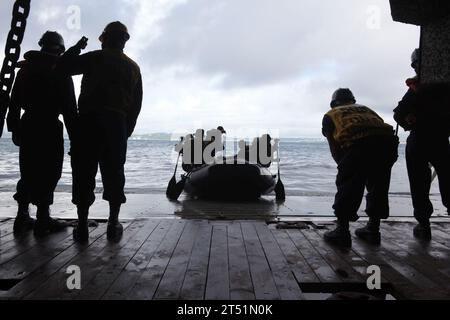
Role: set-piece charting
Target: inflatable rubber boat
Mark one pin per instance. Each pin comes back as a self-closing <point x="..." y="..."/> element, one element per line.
<point x="229" y="182"/>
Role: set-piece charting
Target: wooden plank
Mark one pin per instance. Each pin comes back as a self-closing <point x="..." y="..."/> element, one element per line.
<point x="401" y="276"/>
<point x="103" y="280"/>
<point x="349" y="257"/>
<point x="419" y="256"/>
<point x="11" y="237"/>
<point x="6" y="228"/>
<point x="172" y="281"/>
<point x="121" y="287"/>
<point x="320" y="266"/>
<point x="5" y="220"/>
<point x="407" y="264"/>
<point x="241" y="286"/>
<point x="45" y="250"/>
<point x="14" y="248"/>
<point x="7" y="238"/>
<point x="441" y="236"/>
<point x="433" y="250"/>
<point x="44" y="272"/>
<point x="12" y="245"/>
<point x="298" y="264"/>
<point x="287" y="285"/>
<point x="5" y="242"/>
<point x="440" y="233"/>
<point x="146" y="286"/>
<point x="339" y="265"/>
<point x="403" y="288"/>
<point x="263" y="282"/>
<point x="90" y="263"/>
<point x="172" y="262"/>
<point x="195" y="280"/>
<point x="426" y="288"/>
<point x="357" y="263"/>
<point x="218" y="282"/>
<point x="443" y="226"/>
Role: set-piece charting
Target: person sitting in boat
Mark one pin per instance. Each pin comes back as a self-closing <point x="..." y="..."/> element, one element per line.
<point x="265" y="151"/>
<point x="210" y="141"/>
<point x="224" y="139"/>
<point x="206" y="141"/>
<point x="213" y="144"/>
<point x="260" y="152"/>
<point x="188" y="153"/>
<point x="193" y="149"/>
<point x="243" y="154"/>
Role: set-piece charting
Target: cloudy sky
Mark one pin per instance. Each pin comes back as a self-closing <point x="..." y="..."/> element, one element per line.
<point x="249" y="65"/>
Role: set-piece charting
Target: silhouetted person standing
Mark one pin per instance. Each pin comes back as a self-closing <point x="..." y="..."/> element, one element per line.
<point x="365" y="149"/>
<point x="109" y="105"/>
<point x="425" y="112"/>
<point x="43" y="95"/>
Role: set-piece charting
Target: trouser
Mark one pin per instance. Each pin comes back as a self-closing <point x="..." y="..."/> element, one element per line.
<point x="41" y="159"/>
<point x="366" y="164"/>
<point x="101" y="141"/>
<point x="422" y="150"/>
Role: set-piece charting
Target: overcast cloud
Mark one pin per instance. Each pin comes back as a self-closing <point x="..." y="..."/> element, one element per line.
<point x="245" y="64"/>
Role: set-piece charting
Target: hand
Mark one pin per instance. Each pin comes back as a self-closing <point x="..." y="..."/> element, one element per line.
<point x="16" y="138"/>
<point x="82" y="44"/>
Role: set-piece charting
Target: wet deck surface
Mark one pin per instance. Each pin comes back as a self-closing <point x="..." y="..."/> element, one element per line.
<point x="156" y="205"/>
<point x="201" y="259"/>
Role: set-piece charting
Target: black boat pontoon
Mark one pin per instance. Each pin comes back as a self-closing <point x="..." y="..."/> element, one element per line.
<point x="243" y="181"/>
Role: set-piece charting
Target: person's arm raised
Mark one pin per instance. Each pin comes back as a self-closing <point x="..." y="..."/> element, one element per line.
<point x="72" y="62"/>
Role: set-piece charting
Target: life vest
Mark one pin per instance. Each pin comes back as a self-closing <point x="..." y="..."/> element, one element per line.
<point x="354" y="122"/>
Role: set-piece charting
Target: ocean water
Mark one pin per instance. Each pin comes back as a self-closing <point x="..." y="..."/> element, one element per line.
<point x="307" y="168"/>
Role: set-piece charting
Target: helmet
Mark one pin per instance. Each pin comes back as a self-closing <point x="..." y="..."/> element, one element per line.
<point x="221" y="129"/>
<point x="117" y="28"/>
<point x="341" y="96"/>
<point x="415" y="58"/>
<point x="52" y="40"/>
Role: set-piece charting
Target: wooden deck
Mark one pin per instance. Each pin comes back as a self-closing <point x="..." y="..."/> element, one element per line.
<point x="201" y="259"/>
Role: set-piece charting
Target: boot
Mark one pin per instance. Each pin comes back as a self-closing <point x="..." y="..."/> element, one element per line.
<point x="423" y="231"/>
<point x="45" y="225"/>
<point x="340" y="236"/>
<point x="23" y="222"/>
<point x="114" y="231"/>
<point x="371" y="232"/>
<point x="81" y="231"/>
